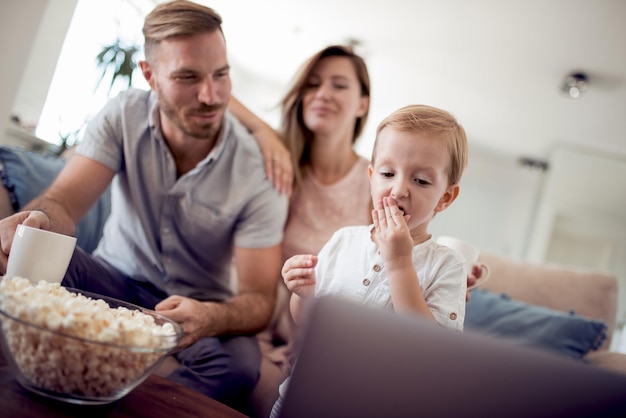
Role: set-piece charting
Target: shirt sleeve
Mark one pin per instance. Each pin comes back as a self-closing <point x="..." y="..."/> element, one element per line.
<point x="263" y="221"/>
<point x="445" y="296"/>
<point x="103" y="137"/>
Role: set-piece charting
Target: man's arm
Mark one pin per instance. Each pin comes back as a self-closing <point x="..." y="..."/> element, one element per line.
<point x="248" y="312"/>
<point x="77" y="187"/>
<point x="258" y="271"/>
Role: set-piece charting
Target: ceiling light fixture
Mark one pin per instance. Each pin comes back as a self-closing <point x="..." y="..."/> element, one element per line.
<point x="575" y="84"/>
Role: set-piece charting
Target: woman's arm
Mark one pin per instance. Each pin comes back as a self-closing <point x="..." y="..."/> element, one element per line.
<point x="278" y="165"/>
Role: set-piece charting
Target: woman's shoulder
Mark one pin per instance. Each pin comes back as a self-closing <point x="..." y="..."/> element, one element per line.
<point x="362" y="161"/>
<point x="361" y="166"/>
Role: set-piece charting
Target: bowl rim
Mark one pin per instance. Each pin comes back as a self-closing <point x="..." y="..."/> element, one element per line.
<point x="178" y="330"/>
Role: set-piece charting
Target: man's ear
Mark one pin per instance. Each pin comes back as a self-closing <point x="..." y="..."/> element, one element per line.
<point x="448" y="197"/>
<point x="147" y="72"/>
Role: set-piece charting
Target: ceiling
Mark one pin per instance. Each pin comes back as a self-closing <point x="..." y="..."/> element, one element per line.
<point x="496" y="64"/>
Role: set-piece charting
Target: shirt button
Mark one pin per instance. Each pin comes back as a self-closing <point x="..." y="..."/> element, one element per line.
<point x="453" y="316"/>
<point x="366" y="282"/>
<point x="376" y="268"/>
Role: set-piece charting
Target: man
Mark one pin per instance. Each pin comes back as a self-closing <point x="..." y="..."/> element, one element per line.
<point x="189" y="194"/>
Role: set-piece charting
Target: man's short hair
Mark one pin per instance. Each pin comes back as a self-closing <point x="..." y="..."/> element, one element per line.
<point x="177" y="18"/>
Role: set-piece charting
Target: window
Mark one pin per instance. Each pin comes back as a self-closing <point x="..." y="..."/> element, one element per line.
<point x="74" y="95"/>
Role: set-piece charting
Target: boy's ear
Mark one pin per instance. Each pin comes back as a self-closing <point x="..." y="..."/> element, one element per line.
<point x="370" y="171"/>
<point x="448" y="197"/>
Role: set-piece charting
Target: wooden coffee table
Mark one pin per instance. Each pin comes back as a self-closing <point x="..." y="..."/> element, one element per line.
<point x="156" y="397"/>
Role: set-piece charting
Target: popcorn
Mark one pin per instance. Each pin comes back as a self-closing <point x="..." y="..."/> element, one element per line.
<point x="104" y="351"/>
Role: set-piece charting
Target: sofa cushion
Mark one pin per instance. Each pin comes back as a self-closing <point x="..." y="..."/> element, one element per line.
<point x="536" y="326"/>
<point x="26" y="174"/>
<point x="591" y="293"/>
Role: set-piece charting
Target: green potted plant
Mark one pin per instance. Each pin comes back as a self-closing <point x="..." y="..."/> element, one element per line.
<point x="118" y="61"/>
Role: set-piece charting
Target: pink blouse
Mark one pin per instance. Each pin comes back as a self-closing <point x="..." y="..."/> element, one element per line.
<point x="316" y="210"/>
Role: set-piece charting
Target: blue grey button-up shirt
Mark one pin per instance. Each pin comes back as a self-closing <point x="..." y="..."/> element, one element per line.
<point x="179" y="233"/>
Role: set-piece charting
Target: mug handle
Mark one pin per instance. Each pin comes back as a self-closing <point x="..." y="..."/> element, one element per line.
<point x="483" y="277"/>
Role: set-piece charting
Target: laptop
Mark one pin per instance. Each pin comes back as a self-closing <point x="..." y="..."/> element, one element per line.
<point x="362" y="362"/>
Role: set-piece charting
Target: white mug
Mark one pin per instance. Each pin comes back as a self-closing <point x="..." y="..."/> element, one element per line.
<point x="37" y="254"/>
<point x="470" y="253"/>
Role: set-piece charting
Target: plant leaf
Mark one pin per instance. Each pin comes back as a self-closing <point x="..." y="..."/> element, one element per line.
<point x="117" y="60"/>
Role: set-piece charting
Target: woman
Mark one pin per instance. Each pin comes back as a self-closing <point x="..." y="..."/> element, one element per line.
<point x="323" y="114"/>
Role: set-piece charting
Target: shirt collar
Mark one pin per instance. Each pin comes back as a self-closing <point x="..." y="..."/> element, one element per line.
<point x="220" y="144"/>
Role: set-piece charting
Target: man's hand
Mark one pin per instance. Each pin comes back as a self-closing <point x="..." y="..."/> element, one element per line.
<point x="194" y="316"/>
<point x="392" y="234"/>
<point x="299" y="275"/>
<point x="245" y="313"/>
<point x="34" y="218"/>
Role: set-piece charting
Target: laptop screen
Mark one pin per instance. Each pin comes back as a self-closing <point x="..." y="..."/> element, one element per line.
<point x="356" y="361"/>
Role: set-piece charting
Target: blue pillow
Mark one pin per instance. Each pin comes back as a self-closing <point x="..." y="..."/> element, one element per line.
<point x="26" y="174"/>
<point x="535" y="326"/>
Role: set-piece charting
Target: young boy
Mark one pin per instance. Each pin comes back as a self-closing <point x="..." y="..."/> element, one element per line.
<point x="419" y="156"/>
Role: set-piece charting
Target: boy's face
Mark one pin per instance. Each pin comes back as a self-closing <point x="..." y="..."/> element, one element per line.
<point x="412" y="169"/>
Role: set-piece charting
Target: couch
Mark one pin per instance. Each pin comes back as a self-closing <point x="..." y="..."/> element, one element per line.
<point x="559" y="290"/>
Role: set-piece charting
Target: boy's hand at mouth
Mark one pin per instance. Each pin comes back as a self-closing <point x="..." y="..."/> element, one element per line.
<point x="391" y="234"/>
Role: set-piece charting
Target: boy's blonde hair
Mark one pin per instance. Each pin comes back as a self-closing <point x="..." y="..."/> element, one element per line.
<point x="437" y="124"/>
<point x="177" y="18"/>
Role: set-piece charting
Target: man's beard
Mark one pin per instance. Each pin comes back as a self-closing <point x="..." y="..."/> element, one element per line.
<point x="178" y="118"/>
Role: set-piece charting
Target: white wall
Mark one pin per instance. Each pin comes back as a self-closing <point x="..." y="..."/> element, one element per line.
<point x="42" y="61"/>
<point x="19" y="23"/>
<point x="32" y="34"/>
<point x="581" y="219"/>
<point x="495" y="206"/>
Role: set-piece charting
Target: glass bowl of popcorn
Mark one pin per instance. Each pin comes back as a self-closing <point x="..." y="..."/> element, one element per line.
<point x="77" y="346"/>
